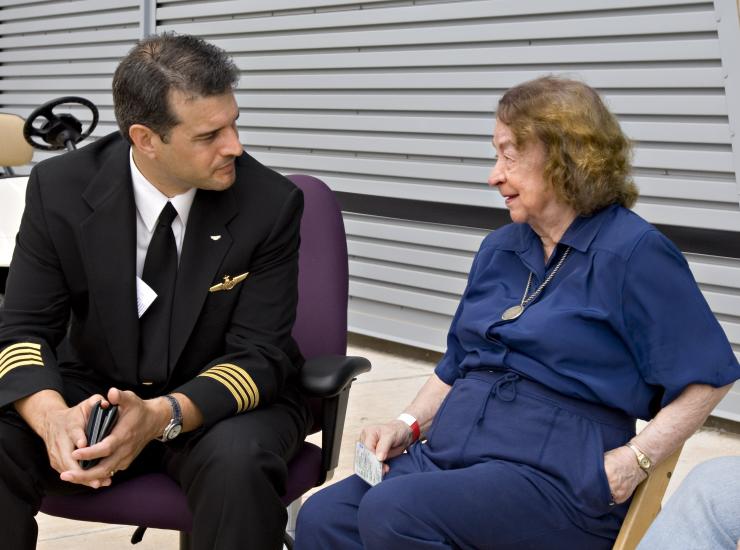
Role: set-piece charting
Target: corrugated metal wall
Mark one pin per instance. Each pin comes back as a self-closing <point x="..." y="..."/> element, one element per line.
<point x="391" y="103"/>
<point x="52" y="49"/>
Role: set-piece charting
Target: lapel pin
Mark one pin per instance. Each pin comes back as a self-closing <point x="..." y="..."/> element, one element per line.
<point x="228" y="283"/>
<point x="215" y="237"/>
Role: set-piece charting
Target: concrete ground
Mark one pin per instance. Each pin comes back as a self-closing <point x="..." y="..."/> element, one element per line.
<point x="398" y="372"/>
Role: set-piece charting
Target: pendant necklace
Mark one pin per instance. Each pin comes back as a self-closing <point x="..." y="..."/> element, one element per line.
<point x="515" y="311"/>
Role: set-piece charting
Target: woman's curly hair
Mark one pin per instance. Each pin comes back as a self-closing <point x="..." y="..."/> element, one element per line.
<point x="587" y="155"/>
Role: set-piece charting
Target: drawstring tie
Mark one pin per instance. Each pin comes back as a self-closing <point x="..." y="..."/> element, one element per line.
<point x="504" y="388"/>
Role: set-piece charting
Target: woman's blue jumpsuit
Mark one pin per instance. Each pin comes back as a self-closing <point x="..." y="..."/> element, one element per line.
<point x="514" y="456"/>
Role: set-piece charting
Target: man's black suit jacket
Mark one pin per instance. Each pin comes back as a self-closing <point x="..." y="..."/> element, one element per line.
<point x="70" y="306"/>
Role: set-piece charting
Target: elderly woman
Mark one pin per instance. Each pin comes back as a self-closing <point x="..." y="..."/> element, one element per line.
<point x="578" y="318"/>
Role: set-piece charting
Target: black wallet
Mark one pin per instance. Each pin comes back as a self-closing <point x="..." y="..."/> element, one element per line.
<point x="99" y="425"/>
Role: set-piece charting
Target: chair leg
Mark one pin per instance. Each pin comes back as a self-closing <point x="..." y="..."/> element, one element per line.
<point x="293" y="509"/>
<point x="185" y="542"/>
<point x="138" y="535"/>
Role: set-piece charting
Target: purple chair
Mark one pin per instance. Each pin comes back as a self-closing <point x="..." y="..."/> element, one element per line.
<point x="155" y="500"/>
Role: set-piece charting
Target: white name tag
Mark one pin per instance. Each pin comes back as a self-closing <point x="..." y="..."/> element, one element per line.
<point x="145" y="296"/>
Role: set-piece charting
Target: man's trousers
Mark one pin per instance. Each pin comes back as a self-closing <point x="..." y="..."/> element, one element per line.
<point x="232" y="473"/>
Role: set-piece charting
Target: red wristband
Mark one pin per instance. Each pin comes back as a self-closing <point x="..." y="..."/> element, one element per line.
<point x="412" y="423"/>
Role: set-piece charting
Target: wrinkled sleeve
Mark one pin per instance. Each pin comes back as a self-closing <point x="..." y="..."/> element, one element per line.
<point x="673" y="334"/>
<point x="33" y="319"/>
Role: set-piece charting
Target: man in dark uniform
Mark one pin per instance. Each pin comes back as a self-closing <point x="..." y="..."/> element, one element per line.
<point x="156" y="270"/>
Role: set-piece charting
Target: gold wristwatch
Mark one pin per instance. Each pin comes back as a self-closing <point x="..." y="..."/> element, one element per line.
<point x="643" y="460"/>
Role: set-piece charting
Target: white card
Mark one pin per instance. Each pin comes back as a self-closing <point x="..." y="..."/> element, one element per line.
<point x="145" y="296"/>
<point x="367" y="465"/>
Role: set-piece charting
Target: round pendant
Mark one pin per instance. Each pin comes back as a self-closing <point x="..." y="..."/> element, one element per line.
<point x="512" y="313"/>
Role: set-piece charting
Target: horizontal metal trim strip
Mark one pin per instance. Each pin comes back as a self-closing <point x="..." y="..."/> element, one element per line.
<point x="390" y="14"/>
<point x="8" y="3"/>
<point x="409" y="276"/>
<point x="603" y="77"/>
<point x="63" y="8"/>
<point x="662" y="77"/>
<point x="720" y="273"/>
<point x="663" y="131"/>
<point x="96" y="20"/>
<point x="454" y="33"/>
<point x="200" y="9"/>
<point x="387" y="326"/>
<point x="453" y="178"/>
<point x="71" y="36"/>
<point x="391" y="294"/>
<point x="614" y="52"/>
<point x="689" y="239"/>
<point x="456" y="239"/>
<point x="401" y="254"/>
<point x="650" y="102"/>
<point x="709" y="158"/>
<point x="19" y="58"/>
<point x="647" y="102"/>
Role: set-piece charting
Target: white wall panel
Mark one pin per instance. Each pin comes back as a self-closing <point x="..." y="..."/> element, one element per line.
<point x="395" y="102"/>
<point x="392" y="100"/>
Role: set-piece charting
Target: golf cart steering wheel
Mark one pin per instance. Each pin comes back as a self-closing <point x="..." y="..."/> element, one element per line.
<point x="59" y="131"/>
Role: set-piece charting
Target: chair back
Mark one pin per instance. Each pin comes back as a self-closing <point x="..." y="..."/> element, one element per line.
<point x="323" y="279"/>
<point x="321" y="318"/>
<point x="14" y="150"/>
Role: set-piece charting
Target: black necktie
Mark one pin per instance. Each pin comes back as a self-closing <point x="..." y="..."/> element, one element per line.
<point x="160" y="273"/>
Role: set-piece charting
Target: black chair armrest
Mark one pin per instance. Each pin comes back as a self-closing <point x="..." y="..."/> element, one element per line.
<point x="329" y="375"/>
<point x="330" y="378"/>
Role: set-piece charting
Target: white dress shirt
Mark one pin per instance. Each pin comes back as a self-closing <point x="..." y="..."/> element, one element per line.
<point x="149" y="204"/>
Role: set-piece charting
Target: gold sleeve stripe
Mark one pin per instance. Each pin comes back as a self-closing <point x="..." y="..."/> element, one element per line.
<point x="237" y="377"/>
<point x="238" y="382"/>
<point x="15" y="357"/>
<point x="238" y="386"/>
<point x="26" y="346"/>
<point x="247" y="381"/>
<point x="19" y="353"/>
<point x="243" y="401"/>
<point x="19" y="357"/>
<point x="9" y="368"/>
<point x="240" y="406"/>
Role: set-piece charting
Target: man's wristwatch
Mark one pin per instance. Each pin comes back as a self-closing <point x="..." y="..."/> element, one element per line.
<point x="643" y="460"/>
<point x="173" y="429"/>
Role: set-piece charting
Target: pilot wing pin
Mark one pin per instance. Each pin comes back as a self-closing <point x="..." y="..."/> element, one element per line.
<point x="228" y="283"/>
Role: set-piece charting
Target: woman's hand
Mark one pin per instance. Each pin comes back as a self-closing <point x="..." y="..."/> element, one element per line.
<point x="391" y="439"/>
<point x="623" y="473"/>
<point x="665" y="433"/>
<point x="387" y="440"/>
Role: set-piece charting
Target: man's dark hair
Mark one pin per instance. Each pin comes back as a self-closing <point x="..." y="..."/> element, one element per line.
<point x="160" y="63"/>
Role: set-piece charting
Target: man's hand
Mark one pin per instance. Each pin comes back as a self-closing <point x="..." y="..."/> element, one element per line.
<point x="387" y="440"/>
<point x="62" y="428"/>
<point x="63" y="431"/>
<point x="623" y="473"/>
<point x="139" y="422"/>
